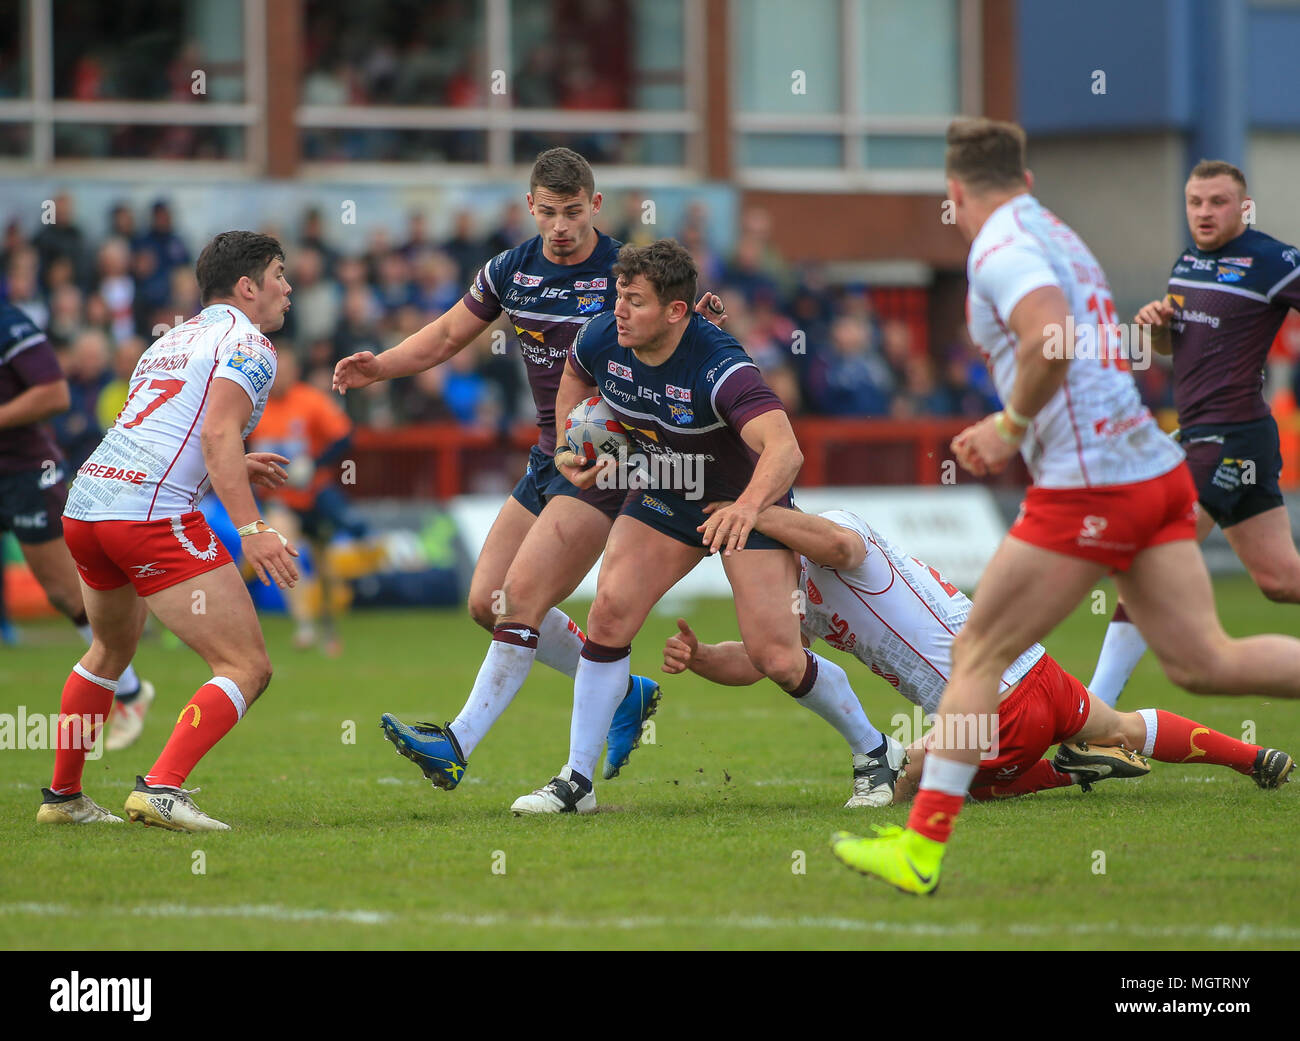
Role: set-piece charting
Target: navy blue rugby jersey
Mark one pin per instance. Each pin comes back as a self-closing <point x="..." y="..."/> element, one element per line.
<point x="694" y="404"/>
<point x="547" y="303"/>
<point x="1228" y="306"/>
<point x="26" y="360"/>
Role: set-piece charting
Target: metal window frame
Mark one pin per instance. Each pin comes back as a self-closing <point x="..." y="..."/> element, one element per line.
<point x="42" y="112"/>
<point x="853" y="126"/>
<point x="500" y="120"/>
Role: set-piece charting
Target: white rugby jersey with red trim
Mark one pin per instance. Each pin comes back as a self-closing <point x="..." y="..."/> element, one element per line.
<point x="1094" y="431"/>
<point x="895" y="614"/>
<point x="150" y="464"/>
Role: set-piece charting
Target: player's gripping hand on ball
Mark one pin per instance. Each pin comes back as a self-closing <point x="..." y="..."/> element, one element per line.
<point x="580" y="472"/>
<point x="710" y="305"/>
<point x="680" y="649"/>
<point x="728" y="526"/>
<point x="266" y="469"/>
<point x="356" y="371"/>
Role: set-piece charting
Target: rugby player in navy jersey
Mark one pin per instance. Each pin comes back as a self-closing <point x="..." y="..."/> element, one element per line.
<point x="33" y="491"/>
<point x="691" y="400"/>
<point x="1228" y="295"/>
<point x="549" y="533"/>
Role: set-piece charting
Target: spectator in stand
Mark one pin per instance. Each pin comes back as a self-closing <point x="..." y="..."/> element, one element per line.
<point x="67" y="307"/>
<point x="438" y="284"/>
<point x="968" y="386"/>
<point x="86" y="368"/>
<point x="168" y="249"/>
<point x="13" y="244"/>
<point x="694" y="235"/>
<point x="746" y="272"/>
<point x="465" y="248"/>
<point x="393" y="286"/>
<point x="313" y="237"/>
<point x="535" y="80"/>
<point x="63" y="239"/>
<point x="852" y="380"/>
<point x="897" y="349"/>
<point x="316" y="300"/>
<point x="359" y="328"/>
<point x="756" y="227"/>
<point x="921" y="395"/>
<point x="121" y="222"/>
<point x="116" y="288"/>
<point x="510" y="230"/>
<point x="22" y="286"/>
<point x="417" y="236"/>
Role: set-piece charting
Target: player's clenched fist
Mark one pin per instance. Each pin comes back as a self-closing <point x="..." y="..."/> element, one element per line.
<point x="1158" y="312"/>
<point x="356" y="371"/>
<point x="680" y="649"/>
<point x="577" y="471"/>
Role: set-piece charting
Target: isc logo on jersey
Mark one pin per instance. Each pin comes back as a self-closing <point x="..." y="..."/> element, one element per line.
<point x="254" y="367"/>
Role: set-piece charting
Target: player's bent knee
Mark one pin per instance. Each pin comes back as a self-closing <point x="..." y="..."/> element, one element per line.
<point x="1280" y="588"/>
<point x="784" y="668"/>
<point x="480" y="610"/>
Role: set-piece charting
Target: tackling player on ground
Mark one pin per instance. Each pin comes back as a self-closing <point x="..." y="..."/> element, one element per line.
<point x="137" y="536"/>
<point x="1110" y="493"/>
<point x="33" y="490"/>
<point x="549" y="533"/>
<point x="1228" y="295"/>
<point x="681" y="388"/>
<point x="866" y="597"/>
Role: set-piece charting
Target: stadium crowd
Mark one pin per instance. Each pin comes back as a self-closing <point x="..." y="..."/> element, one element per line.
<point x="105" y="294"/>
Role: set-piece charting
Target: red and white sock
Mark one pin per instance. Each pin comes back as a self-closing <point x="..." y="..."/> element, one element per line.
<point x="83" y="708"/>
<point x="944" y="784"/>
<point x="1040" y="777"/>
<point x="208" y="717"/>
<point x="1174" y="739"/>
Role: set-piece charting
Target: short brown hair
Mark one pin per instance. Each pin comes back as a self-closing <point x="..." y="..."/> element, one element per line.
<point x="1217" y="168"/>
<point x="985" y="154"/>
<point x="229" y="257"/>
<point x="564" y="172"/>
<point x="665" y="264"/>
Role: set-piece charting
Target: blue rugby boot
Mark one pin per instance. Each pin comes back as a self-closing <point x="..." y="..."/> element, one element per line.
<point x="432" y="748"/>
<point x="624" y="738"/>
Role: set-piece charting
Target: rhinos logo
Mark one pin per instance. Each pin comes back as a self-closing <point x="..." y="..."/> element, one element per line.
<point x="590" y="304"/>
<point x="654" y="504"/>
<point x="680" y="413"/>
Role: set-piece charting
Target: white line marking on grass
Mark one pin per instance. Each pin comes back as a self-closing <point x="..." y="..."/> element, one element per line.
<point x="1220" y="931"/>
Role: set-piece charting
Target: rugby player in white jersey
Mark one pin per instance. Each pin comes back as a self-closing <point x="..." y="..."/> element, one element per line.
<point x="137" y="537"/>
<point x="1111" y="493"/>
<point x="865" y="596"/>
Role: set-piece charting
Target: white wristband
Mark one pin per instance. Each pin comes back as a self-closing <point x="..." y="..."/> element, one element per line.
<point x="253" y="529"/>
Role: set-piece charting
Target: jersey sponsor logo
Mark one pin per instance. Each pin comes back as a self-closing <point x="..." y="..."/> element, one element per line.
<point x="680" y="413"/>
<point x="254" y="368"/>
<point x="595" y="283"/>
<point x="841" y="638"/>
<point x="612" y="389"/>
<point x="678" y="393"/>
<point x="590" y="304"/>
<point x="888" y="677"/>
<point x="113" y="473"/>
<point x="649" y="395"/>
<point x="1238" y="261"/>
<point x="1291" y="256"/>
<point x="476" y="290"/>
<point x="1229" y="274"/>
<point x="651" y="503"/>
<point x="1093" y="526"/>
<point x="35" y="521"/>
<point x="148" y="570"/>
<point x="1005" y="773"/>
<point x="554" y="293"/>
<point x="621" y="371"/>
<point x="520" y="279"/>
<point x="814" y="594"/>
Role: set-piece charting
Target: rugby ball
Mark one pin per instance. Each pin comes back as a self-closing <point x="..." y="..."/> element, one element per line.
<point x="591" y="430"/>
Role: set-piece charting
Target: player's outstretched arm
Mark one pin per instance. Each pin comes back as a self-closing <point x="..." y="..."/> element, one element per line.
<point x="574" y="388"/>
<point x="447" y="335"/>
<point x="779" y="460"/>
<point x="35" y="404"/>
<point x="724" y="663"/>
<point x="820" y="540"/>
<point x="223" y="454"/>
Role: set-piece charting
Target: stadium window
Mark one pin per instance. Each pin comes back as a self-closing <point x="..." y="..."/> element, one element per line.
<point x="144" y="79"/>
<point x="851" y="94"/>
<point x="482" y="87"/>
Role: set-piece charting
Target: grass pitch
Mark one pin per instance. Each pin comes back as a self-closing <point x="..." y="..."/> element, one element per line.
<point x="714" y="837"/>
